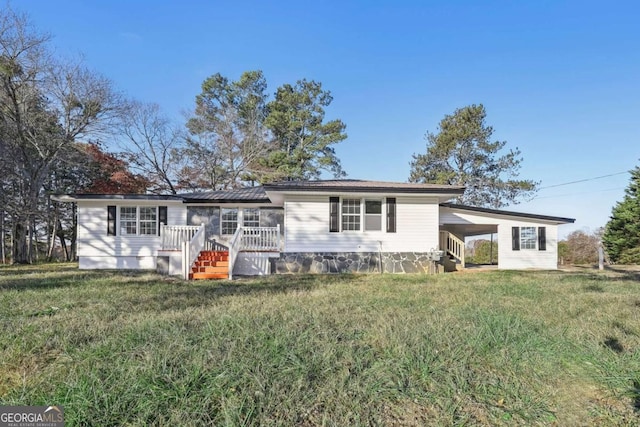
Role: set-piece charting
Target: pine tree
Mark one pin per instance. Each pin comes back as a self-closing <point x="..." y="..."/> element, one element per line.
<point x="305" y="139"/>
<point x="622" y="233"/>
<point x="462" y="153"/>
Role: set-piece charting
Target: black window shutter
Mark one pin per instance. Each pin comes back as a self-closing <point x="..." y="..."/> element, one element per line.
<point x="391" y="214"/>
<point x="515" y="238"/>
<point x="542" y="238"/>
<point x="111" y="220"/>
<point x="334" y="224"/>
<point x="162" y="217"/>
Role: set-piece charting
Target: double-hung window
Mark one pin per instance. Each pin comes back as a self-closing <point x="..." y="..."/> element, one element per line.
<point x="350" y="214"/>
<point x="138" y="220"/>
<point x="229" y="220"/>
<point x="529" y="238"/>
<point x="373" y="215"/>
<point x="251" y="217"/>
<point x="148" y="220"/>
<point x="128" y="221"/>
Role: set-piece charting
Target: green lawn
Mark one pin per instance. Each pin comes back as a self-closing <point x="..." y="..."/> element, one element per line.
<point x="493" y="348"/>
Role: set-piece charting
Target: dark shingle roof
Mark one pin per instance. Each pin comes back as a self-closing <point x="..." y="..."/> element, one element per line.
<point x="357" y="185"/>
<point x="246" y="195"/>
<point x="509" y="213"/>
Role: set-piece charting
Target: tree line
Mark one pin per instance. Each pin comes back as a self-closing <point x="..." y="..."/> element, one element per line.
<point x="57" y="116"/>
<point x="619" y="238"/>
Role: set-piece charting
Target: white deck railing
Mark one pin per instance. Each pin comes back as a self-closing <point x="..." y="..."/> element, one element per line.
<point x="260" y="238"/>
<point x="252" y="239"/>
<point x="172" y="236"/>
<point x="190" y="239"/>
<point x="191" y="249"/>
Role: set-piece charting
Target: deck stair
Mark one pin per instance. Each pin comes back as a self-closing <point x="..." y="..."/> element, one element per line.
<point x="453" y="247"/>
<point x="211" y="265"/>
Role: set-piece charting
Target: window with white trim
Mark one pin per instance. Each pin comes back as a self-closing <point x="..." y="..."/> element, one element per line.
<point x="138" y="220"/>
<point x="373" y="215"/>
<point x="128" y="220"/>
<point x="251" y="217"/>
<point x="228" y="220"/>
<point x="528" y="238"/>
<point x="350" y="214"/>
<point x="148" y="220"/>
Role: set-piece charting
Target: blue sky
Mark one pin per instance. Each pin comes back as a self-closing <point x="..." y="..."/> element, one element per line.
<point x="559" y="79"/>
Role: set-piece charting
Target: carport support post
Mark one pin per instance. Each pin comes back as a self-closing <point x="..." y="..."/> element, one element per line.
<point x="491" y="250"/>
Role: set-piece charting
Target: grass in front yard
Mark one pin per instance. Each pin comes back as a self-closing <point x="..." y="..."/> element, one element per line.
<point x="511" y="348"/>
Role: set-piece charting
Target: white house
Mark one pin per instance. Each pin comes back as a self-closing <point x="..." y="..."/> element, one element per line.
<point x="302" y="226"/>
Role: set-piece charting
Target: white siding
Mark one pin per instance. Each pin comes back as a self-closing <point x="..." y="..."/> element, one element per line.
<point x="98" y="250"/>
<point x="527" y="258"/>
<point x="117" y="262"/>
<point x="176" y="214"/>
<point x="307" y="226"/>
<point x="507" y="257"/>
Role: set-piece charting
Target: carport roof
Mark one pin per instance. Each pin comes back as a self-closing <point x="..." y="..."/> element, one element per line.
<point x="557" y="219"/>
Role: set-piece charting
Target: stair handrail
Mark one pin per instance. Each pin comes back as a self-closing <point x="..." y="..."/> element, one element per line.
<point x="191" y="250"/>
<point x="443" y="240"/>
<point x="235" y="245"/>
<point x="454" y="246"/>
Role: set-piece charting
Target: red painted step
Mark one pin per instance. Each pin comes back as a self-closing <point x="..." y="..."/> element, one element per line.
<point x="211" y="265"/>
<point x="200" y="276"/>
<point x="213" y="258"/>
<point x="220" y="270"/>
<point x="214" y="253"/>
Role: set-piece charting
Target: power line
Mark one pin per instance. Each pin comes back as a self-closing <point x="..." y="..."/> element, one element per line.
<point x="577" y="194"/>
<point x="583" y="180"/>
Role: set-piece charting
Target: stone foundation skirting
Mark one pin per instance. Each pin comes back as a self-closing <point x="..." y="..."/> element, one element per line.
<point x="353" y="262"/>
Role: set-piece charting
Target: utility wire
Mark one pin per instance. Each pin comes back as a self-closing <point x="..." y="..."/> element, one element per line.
<point x="583" y="180"/>
<point x="577" y="194"/>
